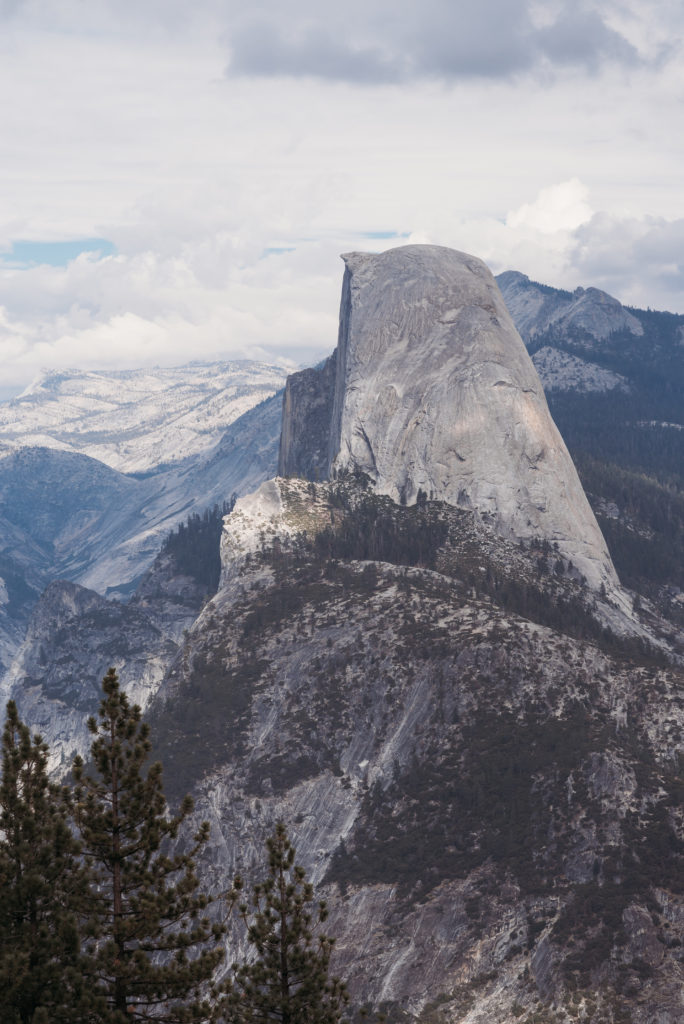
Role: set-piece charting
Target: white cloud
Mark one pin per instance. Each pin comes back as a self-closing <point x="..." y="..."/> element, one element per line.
<point x="639" y="259"/>
<point x="214" y="299"/>
<point x="557" y="208"/>
<point x="124" y="126"/>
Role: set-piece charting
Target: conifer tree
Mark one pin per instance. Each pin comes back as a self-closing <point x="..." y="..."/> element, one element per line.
<point x="41" y="884"/>
<point x="288" y="982"/>
<point x="152" y="947"/>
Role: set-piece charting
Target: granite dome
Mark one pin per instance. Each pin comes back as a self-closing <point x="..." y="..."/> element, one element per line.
<point x="431" y="389"/>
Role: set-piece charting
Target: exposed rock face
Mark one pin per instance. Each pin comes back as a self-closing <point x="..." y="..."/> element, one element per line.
<point x="73" y="637"/>
<point x="467" y="787"/>
<point x="435" y="392"/>
<point x="307" y="411"/>
<point x="561" y="371"/>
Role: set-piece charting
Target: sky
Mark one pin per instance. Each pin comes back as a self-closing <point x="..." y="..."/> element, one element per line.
<point x="179" y="179"/>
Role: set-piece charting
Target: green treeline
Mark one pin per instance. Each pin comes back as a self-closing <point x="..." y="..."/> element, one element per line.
<point x="103" y="919"/>
<point x="195" y="545"/>
<point x="645" y="532"/>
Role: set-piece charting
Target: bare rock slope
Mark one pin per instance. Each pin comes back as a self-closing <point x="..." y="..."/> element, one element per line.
<point x="478" y="777"/>
<point x="434" y="392"/>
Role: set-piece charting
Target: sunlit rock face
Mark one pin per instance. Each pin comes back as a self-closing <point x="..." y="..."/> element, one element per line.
<point x="434" y="391"/>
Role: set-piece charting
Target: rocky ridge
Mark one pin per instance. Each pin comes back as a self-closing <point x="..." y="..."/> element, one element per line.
<point x="589" y="314"/>
<point x="74" y="636"/>
<point x="464" y="770"/>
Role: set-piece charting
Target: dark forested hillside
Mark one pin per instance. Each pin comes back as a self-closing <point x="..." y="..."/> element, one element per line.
<point x="627" y="442"/>
<point x="485" y="778"/>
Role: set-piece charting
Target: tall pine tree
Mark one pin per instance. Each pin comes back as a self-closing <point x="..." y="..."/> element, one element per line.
<point x="288" y="982"/>
<point x="152" y="946"/>
<point x="41" y="886"/>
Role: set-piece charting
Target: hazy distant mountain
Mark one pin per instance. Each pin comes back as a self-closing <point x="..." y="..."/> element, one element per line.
<point x="136" y="421"/>
<point x="65" y="515"/>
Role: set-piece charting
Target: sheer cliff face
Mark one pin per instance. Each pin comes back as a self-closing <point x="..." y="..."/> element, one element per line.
<point x="434" y="391"/>
<point x="307" y="408"/>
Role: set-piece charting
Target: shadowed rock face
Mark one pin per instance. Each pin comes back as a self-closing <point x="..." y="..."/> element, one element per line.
<point x="307" y="409"/>
<point x="434" y="391"/>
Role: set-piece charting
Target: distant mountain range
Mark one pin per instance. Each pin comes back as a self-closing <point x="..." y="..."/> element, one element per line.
<point x="200" y="433"/>
<point x="136" y="421"/>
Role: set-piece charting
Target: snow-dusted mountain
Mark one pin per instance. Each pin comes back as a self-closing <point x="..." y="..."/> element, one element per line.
<point x="588" y="314"/>
<point x="136" y="420"/>
<point x="67" y="515"/>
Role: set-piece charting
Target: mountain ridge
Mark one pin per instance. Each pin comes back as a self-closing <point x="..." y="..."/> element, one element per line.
<point x="137" y="421"/>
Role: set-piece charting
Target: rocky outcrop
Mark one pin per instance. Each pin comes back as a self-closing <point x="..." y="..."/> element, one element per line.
<point x="307" y="412"/>
<point x="436" y="394"/>
<point x="561" y="371"/>
<point x="73" y="637"/>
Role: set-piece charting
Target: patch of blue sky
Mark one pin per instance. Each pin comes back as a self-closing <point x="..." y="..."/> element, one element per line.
<point x="24" y="254"/>
<point x="277" y="250"/>
<point x="385" y="234"/>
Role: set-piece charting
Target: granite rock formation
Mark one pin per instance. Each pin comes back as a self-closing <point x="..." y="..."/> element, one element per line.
<point x="434" y="393"/>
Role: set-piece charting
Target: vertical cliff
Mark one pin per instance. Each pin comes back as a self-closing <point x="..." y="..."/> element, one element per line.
<point x="307" y="412"/>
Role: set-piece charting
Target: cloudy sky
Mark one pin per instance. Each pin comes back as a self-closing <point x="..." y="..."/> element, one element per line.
<point x="179" y="179"/>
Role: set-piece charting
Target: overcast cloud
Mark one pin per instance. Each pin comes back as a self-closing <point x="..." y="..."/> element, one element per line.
<point x="225" y="156"/>
<point x="399" y="40"/>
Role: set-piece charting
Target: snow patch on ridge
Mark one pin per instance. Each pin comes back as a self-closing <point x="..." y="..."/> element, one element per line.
<point x="560" y="371"/>
<point x="137" y="420"/>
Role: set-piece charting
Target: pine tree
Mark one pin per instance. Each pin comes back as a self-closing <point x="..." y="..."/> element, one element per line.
<point x="41" y="885"/>
<point x="288" y="982"/>
<point x="152" y="948"/>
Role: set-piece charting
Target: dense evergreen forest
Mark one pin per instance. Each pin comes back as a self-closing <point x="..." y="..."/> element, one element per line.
<point x="103" y="920"/>
<point x="195" y="545"/>
<point x="628" y="446"/>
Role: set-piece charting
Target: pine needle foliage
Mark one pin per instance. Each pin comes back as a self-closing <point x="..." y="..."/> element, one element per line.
<point x="288" y="982"/>
<point x="151" y="947"/>
<point x="41" y="882"/>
